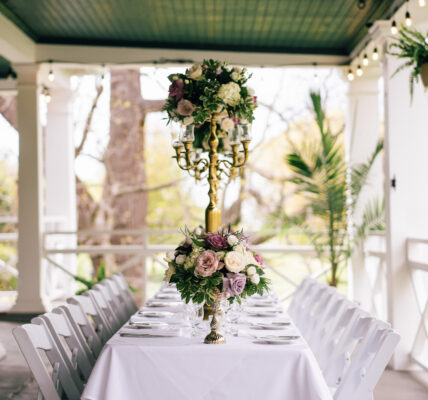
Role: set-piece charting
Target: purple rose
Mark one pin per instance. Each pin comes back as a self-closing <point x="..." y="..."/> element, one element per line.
<point x="207" y="263"/>
<point x="176" y="89"/>
<point x="219" y="70"/>
<point x="217" y="241"/>
<point x="234" y="284"/>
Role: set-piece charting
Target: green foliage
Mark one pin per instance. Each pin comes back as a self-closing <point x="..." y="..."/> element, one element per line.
<point x="410" y="45"/>
<point x="320" y="173"/>
<point x="201" y="85"/>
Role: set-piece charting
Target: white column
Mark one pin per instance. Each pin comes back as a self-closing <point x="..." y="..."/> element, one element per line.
<point x="406" y="162"/>
<point x="30" y="182"/>
<point x="60" y="187"/>
<point x="363" y="133"/>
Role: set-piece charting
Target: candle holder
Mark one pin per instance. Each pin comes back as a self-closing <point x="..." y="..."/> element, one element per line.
<point x="213" y="168"/>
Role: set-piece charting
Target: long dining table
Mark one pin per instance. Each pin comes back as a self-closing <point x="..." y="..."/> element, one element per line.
<point x="167" y="362"/>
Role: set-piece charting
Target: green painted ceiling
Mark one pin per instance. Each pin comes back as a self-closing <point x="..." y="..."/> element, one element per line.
<point x="292" y="26"/>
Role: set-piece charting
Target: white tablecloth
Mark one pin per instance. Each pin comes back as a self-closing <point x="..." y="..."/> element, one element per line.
<point x="183" y="368"/>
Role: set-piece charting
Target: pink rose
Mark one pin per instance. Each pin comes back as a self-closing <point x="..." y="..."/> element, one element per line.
<point x="185" y="107"/>
<point x="176" y="89"/>
<point x="207" y="263"/>
<point x="259" y="259"/>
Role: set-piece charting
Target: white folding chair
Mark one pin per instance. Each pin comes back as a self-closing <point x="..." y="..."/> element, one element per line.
<point x="302" y="319"/>
<point x="299" y="295"/>
<point x="327" y="318"/>
<point x="82" y="326"/>
<point x="104" y="308"/>
<point x="354" y="336"/>
<point x="331" y="340"/>
<point x="118" y="312"/>
<point x="102" y="327"/>
<point x="115" y="292"/>
<point x="368" y="364"/>
<point x="34" y="338"/>
<point x="68" y="343"/>
<point x="124" y="289"/>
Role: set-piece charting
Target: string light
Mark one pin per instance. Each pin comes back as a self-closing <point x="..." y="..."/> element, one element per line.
<point x="365" y="60"/>
<point x="51" y="75"/>
<point x="394" y="29"/>
<point x="350" y="75"/>
<point x="408" y="19"/>
<point x="359" y="71"/>
<point x="375" y="55"/>
<point x="46" y="94"/>
<point x="10" y="75"/>
<point x="422" y="3"/>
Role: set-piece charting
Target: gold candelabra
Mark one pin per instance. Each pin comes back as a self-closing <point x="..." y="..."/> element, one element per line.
<point x="213" y="168"/>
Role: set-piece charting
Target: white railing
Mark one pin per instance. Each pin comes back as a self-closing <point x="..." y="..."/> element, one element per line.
<point x="375" y="270"/>
<point x="417" y="261"/>
<point x="146" y="254"/>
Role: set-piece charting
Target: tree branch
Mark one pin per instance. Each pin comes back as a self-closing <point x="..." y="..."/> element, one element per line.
<point x="144" y="189"/>
<point x="79" y="148"/>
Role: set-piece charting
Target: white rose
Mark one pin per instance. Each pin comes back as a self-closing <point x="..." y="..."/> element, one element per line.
<point x="170" y="256"/>
<point x="235" y="76"/>
<point x="234" y="261"/>
<point x="175" y="77"/>
<point x="251" y="271"/>
<point x="180" y="259"/>
<point x="195" y="72"/>
<point x="188" y="120"/>
<point x="249" y="258"/>
<point x="250" y="91"/>
<point x="169" y="272"/>
<point x="230" y="93"/>
<point x="227" y="124"/>
<point x="232" y="240"/>
<point x="255" y="279"/>
<point x="186" y="81"/>
<point x="198" y="231"/>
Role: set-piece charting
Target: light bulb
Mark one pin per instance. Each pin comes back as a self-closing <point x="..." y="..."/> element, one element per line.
<point x="408" y="19"/>
<point x="422" y="3"/>
<point x="350" y="75"/>
<point x="394" y="29"/>
<point x="375" y="54"/>
<point x="51" y="76"/>
<point x="48" y="97"/>
<point x="359" y="71"/>
<point x="365" y="60"/>
<point x="10" y="75"/>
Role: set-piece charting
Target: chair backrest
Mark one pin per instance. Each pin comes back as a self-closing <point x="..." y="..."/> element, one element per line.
<point x="72" y="344"/>
<point x="116" y="293"/>
<point x="119" y="313"/>
<point x="324" y="328"/>
<point x="105" y="309"/>
<point x="82" y="326"/>
<point x="349" y="343"/>
<point x="124" y="289"/>
<point x="330" y="343"/>
<point x="317" y="312"/>
<point x="33" y="338"/>
<point x="87" y="305"/>
<point x="299" y="295"/>
<point x="368" y="363"/>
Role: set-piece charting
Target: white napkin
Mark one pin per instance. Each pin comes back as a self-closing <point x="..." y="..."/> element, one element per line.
<point x="158" y="332"/>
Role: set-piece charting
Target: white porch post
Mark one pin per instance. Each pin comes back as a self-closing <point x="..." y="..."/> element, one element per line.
<point x="30" y="183"/>
<point x="363" y="133"/>
<point x="60" y="186"/>
<point x="406" y="163"/>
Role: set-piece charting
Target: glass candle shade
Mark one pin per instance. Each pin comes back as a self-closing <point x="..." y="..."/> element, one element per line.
<point x="188" y="133"/>
<point x="235" y="135"/>
<point x="245" y="132"/>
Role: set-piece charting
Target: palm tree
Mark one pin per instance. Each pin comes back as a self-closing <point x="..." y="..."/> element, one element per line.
<point x="331" y="190"/>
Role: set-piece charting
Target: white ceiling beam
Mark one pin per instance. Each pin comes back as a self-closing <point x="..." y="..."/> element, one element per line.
<point x="129" y="57"/>
<point x="15" y="45"/>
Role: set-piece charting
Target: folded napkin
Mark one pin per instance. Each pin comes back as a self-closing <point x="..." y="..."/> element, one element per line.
<point x="158" y="332"/>
<point x="176" y="319"/>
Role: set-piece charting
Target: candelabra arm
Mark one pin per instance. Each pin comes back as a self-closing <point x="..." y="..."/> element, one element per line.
<point x="238" y="164"/>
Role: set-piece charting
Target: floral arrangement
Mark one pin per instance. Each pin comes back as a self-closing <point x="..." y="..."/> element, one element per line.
<point x="206" y="90"/>
<point x="205" y="265"/>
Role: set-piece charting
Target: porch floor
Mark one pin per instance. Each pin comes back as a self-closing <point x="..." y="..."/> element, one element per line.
<point x="16" y="381"/>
